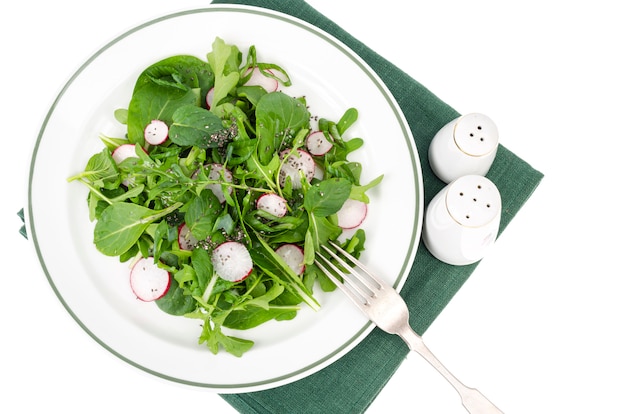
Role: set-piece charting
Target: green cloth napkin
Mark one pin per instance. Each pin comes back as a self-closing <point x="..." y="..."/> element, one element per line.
<point x="351" y="384"/>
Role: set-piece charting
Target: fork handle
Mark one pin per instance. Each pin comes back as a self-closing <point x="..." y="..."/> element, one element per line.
<point x="473" y="401"/>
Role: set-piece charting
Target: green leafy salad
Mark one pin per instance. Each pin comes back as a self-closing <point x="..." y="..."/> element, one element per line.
<point x="221" y="192"/>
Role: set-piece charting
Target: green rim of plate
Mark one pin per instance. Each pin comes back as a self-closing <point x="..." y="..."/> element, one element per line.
<point x="417" y="223"/>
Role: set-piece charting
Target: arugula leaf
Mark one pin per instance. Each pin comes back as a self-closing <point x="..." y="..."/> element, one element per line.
<point x="253" y="317"/>
<point x="265" y="172"/>
<point x="268" y="69"/>
<point x="320" y="230"/>
<point x="187" y="280"/>
<point x="271" y="264"/>
<point x="358" y="191"/>
<point x="100" y="171"/>
<point x="251" y="93"/>
<point x="224" y="61"/>
<point x="264" y="300"/>
<point x="214" y="338"/>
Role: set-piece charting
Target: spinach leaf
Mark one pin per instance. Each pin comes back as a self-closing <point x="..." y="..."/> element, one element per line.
<point x="279" y="118"/>
<point x="176" y="302"/>
<point x="154" y="101"/>
<point x="181" y="71"/>
<point x="346" y="121"/>
<point x="252" y="93"/>
<point x="268" y="69"/>
<point x="195" y="126"/>
<point x="162" y="88"/>
<point x="202" y="214"/>
<point x="327" y="197"/>
<point x="203" y="267"/>
<point x="121" y="225"/>
<point x="322" y="200"/>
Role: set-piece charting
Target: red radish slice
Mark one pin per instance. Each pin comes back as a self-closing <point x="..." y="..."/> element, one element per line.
<point x="301" y="161"/>
<point x="148" y="281"/>
<point x="123" y="152"/>
<point x="231" y="261"/>
<point x="186" y="240"/>
<point x="293" y="256"/>
<point x="319" y="172"/>
<point x="273" y="204"/>
<point x="209" y="98"/>
<point x="156" y="132"/>
<point x="318" y="144"/>
<point x="259" y="79"/>
<point x="215" y="173"/>
<point x="351" y="214"/>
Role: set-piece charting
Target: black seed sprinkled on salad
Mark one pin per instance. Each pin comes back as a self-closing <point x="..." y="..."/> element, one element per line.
<point x="221" y="138"/>
<point x="175" y="219"/>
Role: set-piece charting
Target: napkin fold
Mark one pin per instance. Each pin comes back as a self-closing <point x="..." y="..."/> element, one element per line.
<point x="351" y="384"/>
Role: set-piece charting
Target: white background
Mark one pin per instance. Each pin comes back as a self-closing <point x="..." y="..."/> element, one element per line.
<point x="539" y="327"/>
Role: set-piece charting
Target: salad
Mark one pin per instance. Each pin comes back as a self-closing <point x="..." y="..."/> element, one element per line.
<point x="222" y="191"/>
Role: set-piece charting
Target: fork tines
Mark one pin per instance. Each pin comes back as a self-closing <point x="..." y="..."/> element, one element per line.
<point x="360" y="284"/>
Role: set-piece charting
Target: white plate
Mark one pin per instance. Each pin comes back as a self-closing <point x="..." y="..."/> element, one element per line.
<point x="94" y="288"/>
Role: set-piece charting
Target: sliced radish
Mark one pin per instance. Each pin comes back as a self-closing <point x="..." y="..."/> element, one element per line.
<point x="231" y="261"/>
<point x="273" y="204"/>
<point x="351" y="214"/>
<point x="318" y="144"/>
<point x="300" y="161"/>
<point x="123" y="152"/>
<point x="319" y="172"/>
<point x="186" y="240"/>
<point x="209" y="98"/>
<point x="293" y="255"/>
<point x="148" y="281"/>
<point x="156" y="132"/>
<point x="259" y="79"/>
<point x="215" y="173"/>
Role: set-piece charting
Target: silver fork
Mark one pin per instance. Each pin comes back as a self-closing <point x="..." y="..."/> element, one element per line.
<point x="386" y="308"/>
